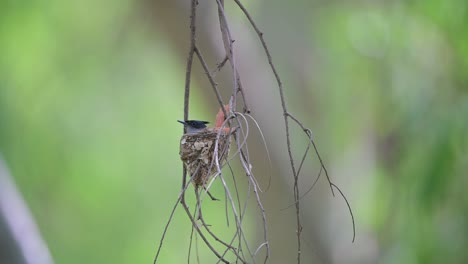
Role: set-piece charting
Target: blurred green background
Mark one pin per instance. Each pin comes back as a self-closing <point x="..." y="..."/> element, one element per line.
<point x="90" y="92"/>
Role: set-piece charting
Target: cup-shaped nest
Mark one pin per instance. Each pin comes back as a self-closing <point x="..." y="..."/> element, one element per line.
<point x="197" y="152"/>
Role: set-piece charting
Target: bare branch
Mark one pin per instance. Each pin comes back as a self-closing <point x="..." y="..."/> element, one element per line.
<point x="350" y="211"/>
<point x="219" y="155"/>
<point x="228" y="47"/>
<point x="188" y="73"/>
<point x="286" y="114"/>
<point x="214" y="85"/>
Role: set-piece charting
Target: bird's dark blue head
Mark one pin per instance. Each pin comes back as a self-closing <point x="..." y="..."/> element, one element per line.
<point x="194" y="126"/>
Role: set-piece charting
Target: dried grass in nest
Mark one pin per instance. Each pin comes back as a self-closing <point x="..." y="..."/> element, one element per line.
<point x="197" y="152"/>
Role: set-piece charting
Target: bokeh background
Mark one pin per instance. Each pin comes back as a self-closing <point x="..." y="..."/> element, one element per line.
<point x="90" y="92"/>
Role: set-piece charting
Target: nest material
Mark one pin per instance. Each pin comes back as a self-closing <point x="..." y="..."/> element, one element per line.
<point x="197" y="151"/>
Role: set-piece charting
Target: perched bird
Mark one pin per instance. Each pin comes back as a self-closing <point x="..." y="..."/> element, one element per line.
<point x="200" y="145"/>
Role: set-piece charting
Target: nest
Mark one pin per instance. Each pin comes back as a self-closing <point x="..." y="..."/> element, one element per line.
<point x="197" y="152"/>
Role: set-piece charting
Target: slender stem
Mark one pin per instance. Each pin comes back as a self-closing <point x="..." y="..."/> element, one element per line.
<point x="188" y="73"/>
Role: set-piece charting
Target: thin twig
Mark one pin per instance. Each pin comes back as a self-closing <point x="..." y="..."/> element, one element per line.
<point x="237" y="216"/>
<point x="266" y="148"/>
<point x="161" y="241"/>
<point x="200" y="217"/>
<point x="188" y="73"/>
<point x="285" y="116"/>
<point x="309" y="134"/>
<point x="228" y="46"/>
<point x="190" y="243"/>
<point x="213" y="83"/>
<point x="208" y="244"/>
<point x="350" y="211"/>
<point x="219" y="66"/>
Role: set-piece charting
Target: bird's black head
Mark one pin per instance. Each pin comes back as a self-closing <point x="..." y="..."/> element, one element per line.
<point x="194" y="126"/>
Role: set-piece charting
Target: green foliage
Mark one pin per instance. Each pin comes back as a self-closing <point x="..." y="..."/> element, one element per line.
<point x="88" y="111"/>
<point x="396" y="69"/>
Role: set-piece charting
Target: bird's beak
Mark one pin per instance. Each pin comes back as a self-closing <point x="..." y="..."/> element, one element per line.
<point x="182" y="122"/>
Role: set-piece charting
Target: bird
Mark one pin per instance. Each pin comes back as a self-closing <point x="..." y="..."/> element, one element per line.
<point x="194" y="126"/>
<point x="200" y="145"/>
